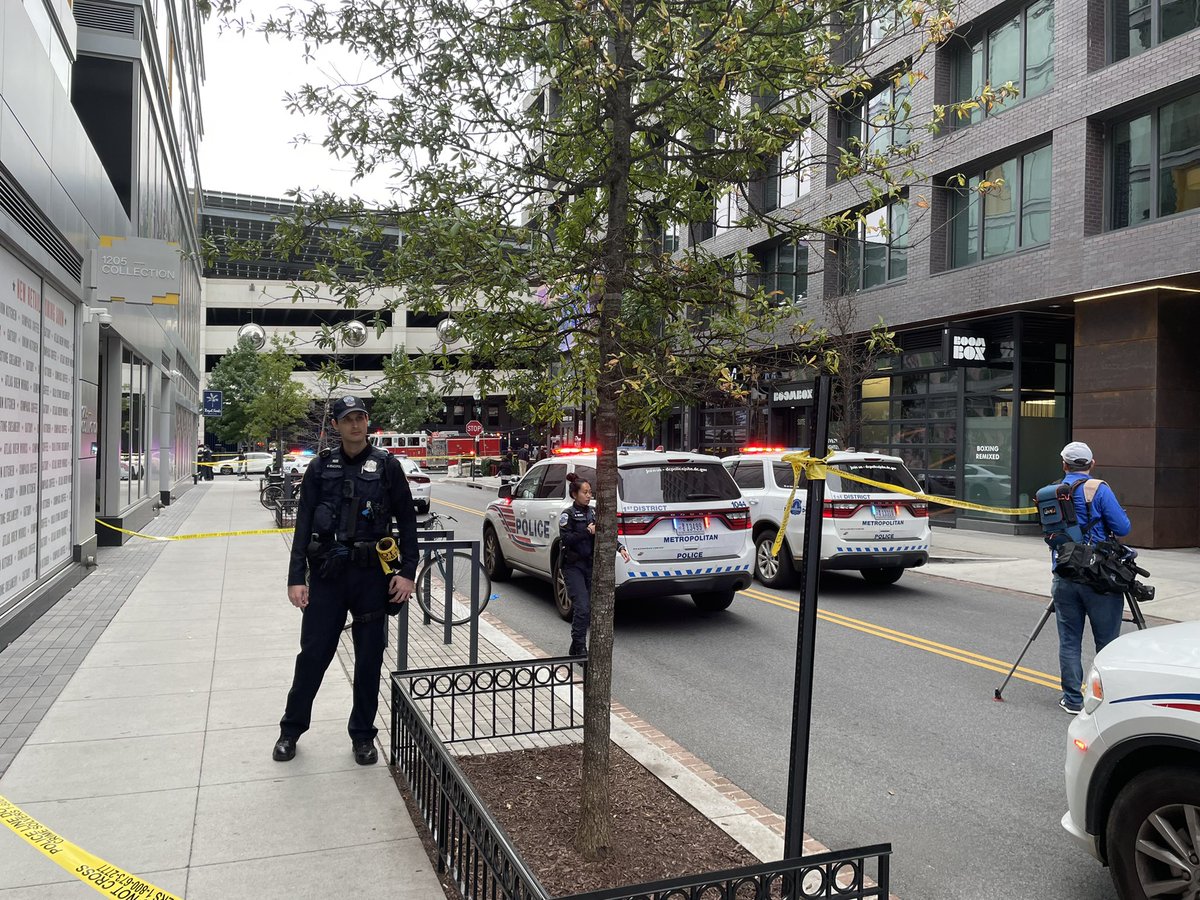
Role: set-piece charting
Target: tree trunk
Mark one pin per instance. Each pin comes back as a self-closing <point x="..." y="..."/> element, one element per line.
<point x="594" y="837"/>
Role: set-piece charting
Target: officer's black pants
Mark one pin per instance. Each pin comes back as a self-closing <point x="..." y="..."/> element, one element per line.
<point x="579" y="587"/>
<point x="359" y="590"/>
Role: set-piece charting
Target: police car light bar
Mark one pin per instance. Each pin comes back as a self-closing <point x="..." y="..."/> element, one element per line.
<point x="764" y="449"/>
<point x="572" y="451"/>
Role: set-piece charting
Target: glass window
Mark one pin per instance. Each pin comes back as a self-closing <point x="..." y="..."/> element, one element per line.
<point x="588" y="474"/>
<point x="676" y="483"/>
<point x="787" y="179"/>
<point x="783" y="269"/>
<point x="785" y="475"/>
<point x="1137" y="25"/>
<point x="554" y="482"/>
<point x="885" y="119"/>
<point x="1179" y="155"/>
<point x="1015" y="209"/>
<point x="749" y="476"/>
<point x="1131" y="172"/>
<point x="1020" y="50"/>
<point x="1136" y="167"/>
<point x="1004" y="54"/>
<point x="880" y="253"/>
<point x="528" y="487"/>
<point x="999" y="210"/>
<point x="1039" y="48"/>
<point x="1035" y="197"/>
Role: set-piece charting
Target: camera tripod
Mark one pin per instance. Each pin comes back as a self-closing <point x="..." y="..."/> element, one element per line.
<point x="1131" y="601"/>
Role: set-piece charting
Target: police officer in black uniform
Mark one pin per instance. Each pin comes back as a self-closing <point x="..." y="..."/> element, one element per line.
<point x="348" y="499"/>
<point x="577" y="530"/>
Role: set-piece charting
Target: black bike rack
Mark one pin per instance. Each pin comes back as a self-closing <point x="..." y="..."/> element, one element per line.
<point x="429" y="542"/>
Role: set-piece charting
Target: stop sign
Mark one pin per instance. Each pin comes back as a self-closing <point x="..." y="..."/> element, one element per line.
<point x="474" y="428"/>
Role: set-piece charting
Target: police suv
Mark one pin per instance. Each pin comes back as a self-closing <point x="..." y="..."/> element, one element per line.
<point x="680" y="516"/>
<point x="878" y="532"/>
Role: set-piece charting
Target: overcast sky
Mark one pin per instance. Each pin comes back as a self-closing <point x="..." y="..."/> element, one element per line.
<point x="249" y="136"/>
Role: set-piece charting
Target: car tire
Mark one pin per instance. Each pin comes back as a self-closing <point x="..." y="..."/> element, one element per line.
<point x="714" y="601"/>
<point x="778" y="571"/>
<point x="884" y="576"/>
<point x="226" y="470"/>
<point x="493" y="556"/>
<point x="422" y="508"/>
<point x="1159" y="796"/>
<point x="562" y="597"/>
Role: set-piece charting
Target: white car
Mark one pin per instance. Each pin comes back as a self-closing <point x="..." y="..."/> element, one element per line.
<point x="257" y="463"/>
<point x="297" y="463"/>
<point x="1133" y="763"/>
<point x="418" y="483"/>
<point x="680" y="516"/>
<point x="875" y="531"/>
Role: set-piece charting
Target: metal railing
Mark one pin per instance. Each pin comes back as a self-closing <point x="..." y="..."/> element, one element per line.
<point x="433" y="709"/>
<point x="429" y="543"/>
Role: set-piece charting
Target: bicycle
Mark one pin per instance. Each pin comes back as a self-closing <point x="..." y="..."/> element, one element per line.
<point x="269" y="493"/>
<point x="438" y="563"/>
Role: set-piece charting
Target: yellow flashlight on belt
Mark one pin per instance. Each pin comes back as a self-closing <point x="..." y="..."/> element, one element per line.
<point x="388" y="553"/>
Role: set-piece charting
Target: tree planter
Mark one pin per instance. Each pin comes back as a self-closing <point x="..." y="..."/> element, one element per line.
<point x="441" y="714"/>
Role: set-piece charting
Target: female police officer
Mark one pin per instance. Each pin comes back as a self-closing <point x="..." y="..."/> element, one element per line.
<point x="577" y="529"/>
<point x="348" y="499"/>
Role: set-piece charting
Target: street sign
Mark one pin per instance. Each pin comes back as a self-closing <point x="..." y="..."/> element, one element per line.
<point x="474" y="428"/>
<point x="214" y="403"/>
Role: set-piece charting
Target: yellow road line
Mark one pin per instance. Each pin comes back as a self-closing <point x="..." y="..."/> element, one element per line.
<point x="950" y="652"/>
<point x="465" y="509"/>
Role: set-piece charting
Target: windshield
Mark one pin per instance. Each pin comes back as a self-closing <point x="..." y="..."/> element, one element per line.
<point x="883" y="470"/>
<point x="684" y="482"/>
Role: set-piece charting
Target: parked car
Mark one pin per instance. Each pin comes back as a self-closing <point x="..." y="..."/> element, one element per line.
<point x="877" y="532"/>
<point x="986" y="485"/>
<point x="680" y="516"/>
<point x="297" y="463"/>
<point x="1133" y="763"/>
<point x="418" y="483"/>
<point x="257" y="463"/>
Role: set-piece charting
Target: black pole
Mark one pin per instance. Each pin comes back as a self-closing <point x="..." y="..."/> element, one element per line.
<point x="810" y="573"/>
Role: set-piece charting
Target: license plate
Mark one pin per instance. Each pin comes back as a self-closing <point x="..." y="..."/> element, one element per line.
<point x="884" y="512"/>
<point x="689" y="526"/>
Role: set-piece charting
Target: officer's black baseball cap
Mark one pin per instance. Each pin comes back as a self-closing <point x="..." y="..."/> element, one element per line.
<point x="347" y="405"/>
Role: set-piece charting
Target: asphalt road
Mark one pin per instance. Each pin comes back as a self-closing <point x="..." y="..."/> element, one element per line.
<point x="907" y="744"/>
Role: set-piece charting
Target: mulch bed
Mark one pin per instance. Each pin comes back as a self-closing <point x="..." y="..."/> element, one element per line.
<point x="534" y="794"/>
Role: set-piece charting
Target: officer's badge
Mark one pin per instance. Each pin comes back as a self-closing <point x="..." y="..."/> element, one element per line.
<point x="350" y="401"/>
<point x="370" y="465"/>
<point x="564" y="519"/>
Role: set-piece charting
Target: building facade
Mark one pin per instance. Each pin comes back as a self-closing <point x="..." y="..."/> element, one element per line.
<point x="1060" y="306"/>
<point x="99" y="124"/>
<point x="260" y="296"/>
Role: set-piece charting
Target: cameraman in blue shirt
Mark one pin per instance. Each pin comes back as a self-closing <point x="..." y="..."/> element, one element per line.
<point x="1075" y="602"/>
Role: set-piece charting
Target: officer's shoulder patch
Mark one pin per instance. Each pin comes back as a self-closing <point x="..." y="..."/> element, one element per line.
<point x="324" y="454"/>
<point x="564" y="518"/>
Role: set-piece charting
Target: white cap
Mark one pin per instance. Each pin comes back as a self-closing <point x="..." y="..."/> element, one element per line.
<point x="1077" y="453"/>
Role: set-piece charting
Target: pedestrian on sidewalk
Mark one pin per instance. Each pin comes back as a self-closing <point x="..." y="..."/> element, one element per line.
<point x="577" y="530"/>
<point x="242" y="475"/>
<point x="523" y="458"/>
<point x="348" y="498"/>
<point x="1101" y="516"/>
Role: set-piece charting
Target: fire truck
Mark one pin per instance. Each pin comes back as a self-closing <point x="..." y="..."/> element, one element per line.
<point x="414" y="446"/>
<point x="451" y="447"/>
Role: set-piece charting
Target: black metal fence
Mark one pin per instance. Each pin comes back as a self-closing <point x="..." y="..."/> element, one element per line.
<point x="435" y="708"/>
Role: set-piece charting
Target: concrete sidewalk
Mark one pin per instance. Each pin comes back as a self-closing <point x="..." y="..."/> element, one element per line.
<point x="156" y="755"/>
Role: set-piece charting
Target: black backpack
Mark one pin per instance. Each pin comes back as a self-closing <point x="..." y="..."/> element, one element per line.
<point x="1056" y="511"/>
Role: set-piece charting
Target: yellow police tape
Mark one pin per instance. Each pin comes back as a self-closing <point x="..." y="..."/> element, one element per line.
<point x="814" y="468"/>
<point x="106" y="878"/>
<point x="195" y="537"/>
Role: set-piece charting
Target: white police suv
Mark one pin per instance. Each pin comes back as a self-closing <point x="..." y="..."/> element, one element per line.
<point x="878" y="532"/>
<point x="680" y="516"/>
<point x="1133" y="763"/>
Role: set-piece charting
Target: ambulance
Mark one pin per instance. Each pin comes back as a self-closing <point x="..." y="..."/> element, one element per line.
<point x="680" y="516"/>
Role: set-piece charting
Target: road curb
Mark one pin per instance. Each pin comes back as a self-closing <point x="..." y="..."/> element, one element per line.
<point x="972" y="559"/>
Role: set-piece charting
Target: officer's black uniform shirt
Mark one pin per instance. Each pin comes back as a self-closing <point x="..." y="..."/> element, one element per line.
<point x="399" y="500"/>
<point x="577" y="541"/>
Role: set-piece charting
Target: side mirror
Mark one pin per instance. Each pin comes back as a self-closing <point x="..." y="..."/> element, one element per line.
<point x="504" y="491"/>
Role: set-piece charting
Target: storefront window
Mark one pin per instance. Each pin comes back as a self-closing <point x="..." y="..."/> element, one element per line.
<point x="133" y="468"/>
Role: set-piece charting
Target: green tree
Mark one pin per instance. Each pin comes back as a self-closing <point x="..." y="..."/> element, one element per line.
<point x="604" y="129"/>
<point x="405" y="400"/>
<point x="280" y="402"/>
<point x="236" y="374"/>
